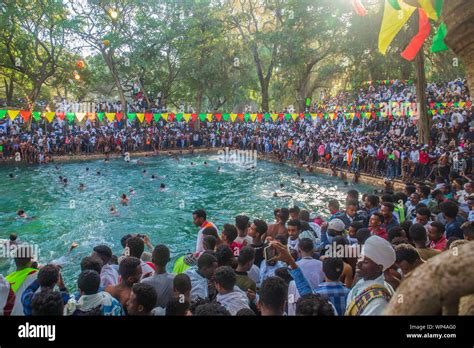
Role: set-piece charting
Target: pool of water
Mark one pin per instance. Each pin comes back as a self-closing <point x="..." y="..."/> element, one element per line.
<point x="64" y="214"/>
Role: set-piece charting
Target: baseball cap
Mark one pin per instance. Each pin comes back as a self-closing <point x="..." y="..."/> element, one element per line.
<point x="336" y="225"/>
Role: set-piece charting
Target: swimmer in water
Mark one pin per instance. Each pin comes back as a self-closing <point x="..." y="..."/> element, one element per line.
<point x="65" y="181"/>
<point x="275" y="194"/>
<point x="61" y="178"/>
<point x="205" y="163"/>
<point x="56" y="167"/>
<point x="131" y="191"/>
<point x="302" y="180"/>
<point x="81" y="187"/>
<point x="193" y="164"/>
<point x="11" y="176"/>
<point x="144" y="172"/>
<point x="87" y="169"/>
<point x="282" y="185"/>
<point x="153" y="177"/>
<point x="21" y="213"/>
<point x="219" y="169"/>
<point x="162" y="187"/>
<point x="298" y="174"/>
<point x="98" y="172"/>
<point x="124" y="199"/>
<point x="113" y="211"/>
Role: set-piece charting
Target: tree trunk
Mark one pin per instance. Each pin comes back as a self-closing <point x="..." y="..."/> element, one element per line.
<point x="199" y="95"/>
<point x="118" y="84"/>
<point x="9" y="90"/>
<point x="423" y="120"/>
<point x="459" y="16"/>
<point x="450" y="276"/>
<point x="265" y="96"/>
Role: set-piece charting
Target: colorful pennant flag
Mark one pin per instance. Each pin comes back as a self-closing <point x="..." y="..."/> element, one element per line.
<point x="36" y="115"/>
<point x="417" y="42"/>
<point x="13" y="114"/>
<point x="438" y="40"/>
<point x="50" y="115"/>
<point x="110" y="116"/>
<point x="25" y="114"/>
<point x="392" y="23"/>
<point x="359" y="8"/>
<point x="80" y="116"/>
<point x="70" y="116"/>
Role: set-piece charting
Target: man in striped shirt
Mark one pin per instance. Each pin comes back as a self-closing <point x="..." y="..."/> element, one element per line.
<point x="332" y="289"/>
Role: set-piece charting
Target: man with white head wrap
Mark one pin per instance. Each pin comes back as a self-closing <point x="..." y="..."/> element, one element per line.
<point x="371" y="294"/>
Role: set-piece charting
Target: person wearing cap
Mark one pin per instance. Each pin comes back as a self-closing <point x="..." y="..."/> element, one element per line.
<point x="371" y="294"/>
<point x="335" y="228"/>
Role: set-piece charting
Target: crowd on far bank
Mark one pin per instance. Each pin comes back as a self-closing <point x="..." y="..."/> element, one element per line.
<point x="386" y="147"/>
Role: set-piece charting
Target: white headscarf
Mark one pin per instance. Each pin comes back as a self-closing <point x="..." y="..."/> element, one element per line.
<point x="380" y="251"/>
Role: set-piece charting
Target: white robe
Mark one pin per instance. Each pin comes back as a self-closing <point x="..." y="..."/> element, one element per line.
<point x="376" y="306"/>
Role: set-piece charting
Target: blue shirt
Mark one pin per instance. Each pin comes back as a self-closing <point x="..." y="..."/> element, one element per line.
<point x="333" y="289"/>
<point x="29" y="294"/>
<point x="453" y="229"/>
<point x="335" y="292"/>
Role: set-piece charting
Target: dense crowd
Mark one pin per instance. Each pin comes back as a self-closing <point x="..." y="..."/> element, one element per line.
<point x="350" y="263"/>
<point x="383" y="146"/>
<point x="292" y="265"/>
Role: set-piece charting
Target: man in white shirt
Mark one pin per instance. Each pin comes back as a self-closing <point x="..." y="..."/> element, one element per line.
<point x="311" y="268"/>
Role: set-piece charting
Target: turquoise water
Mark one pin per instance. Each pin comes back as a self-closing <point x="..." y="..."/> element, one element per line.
<point x="164" y="216"/>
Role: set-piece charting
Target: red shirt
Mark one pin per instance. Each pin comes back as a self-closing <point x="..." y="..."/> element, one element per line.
<point x="381" y="232"/>
<point x="440" y="244"/>
<point x="424" y="158"/>
<point x="235" y="247"/>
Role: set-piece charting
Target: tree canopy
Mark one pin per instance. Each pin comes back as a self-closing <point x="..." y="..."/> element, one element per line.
<point x="208" y="55"/>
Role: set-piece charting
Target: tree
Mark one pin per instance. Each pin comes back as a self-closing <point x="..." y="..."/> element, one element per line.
<point x="32" y="37"/>
<point x="106" y="28"/>
<point x="259" y="23"/>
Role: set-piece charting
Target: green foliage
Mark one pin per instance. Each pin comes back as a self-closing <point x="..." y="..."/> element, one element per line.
<point x="208" y="54"/>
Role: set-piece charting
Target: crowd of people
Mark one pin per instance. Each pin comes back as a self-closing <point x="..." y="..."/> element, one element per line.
<point x="253" y="267"/>
<point x="250" y="267"/>
<point x="382" y="147"/>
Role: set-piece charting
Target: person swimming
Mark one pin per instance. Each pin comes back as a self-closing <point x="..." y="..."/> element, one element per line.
<point x="81" y="187"/>
<point x="61" y="178"/>
<point x="193" y="164"/>
<point x="21" y="213"/>
<point x="206" y="164"/>
<point x="219" y="169"/>
<point x="144" y="172"/>
<point x="124" y="199"/>
<point x="87" y="169"/>
<point x="281" y="195"/>
<point x="153" y="177"/>
<point x="131" y="191"/>
<point x="12" y="176"/>
<point x="162" y="187"/>
<point x="98" y="172"/>
<point x="65" y="181"/>
<point x="113" y="211"/>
